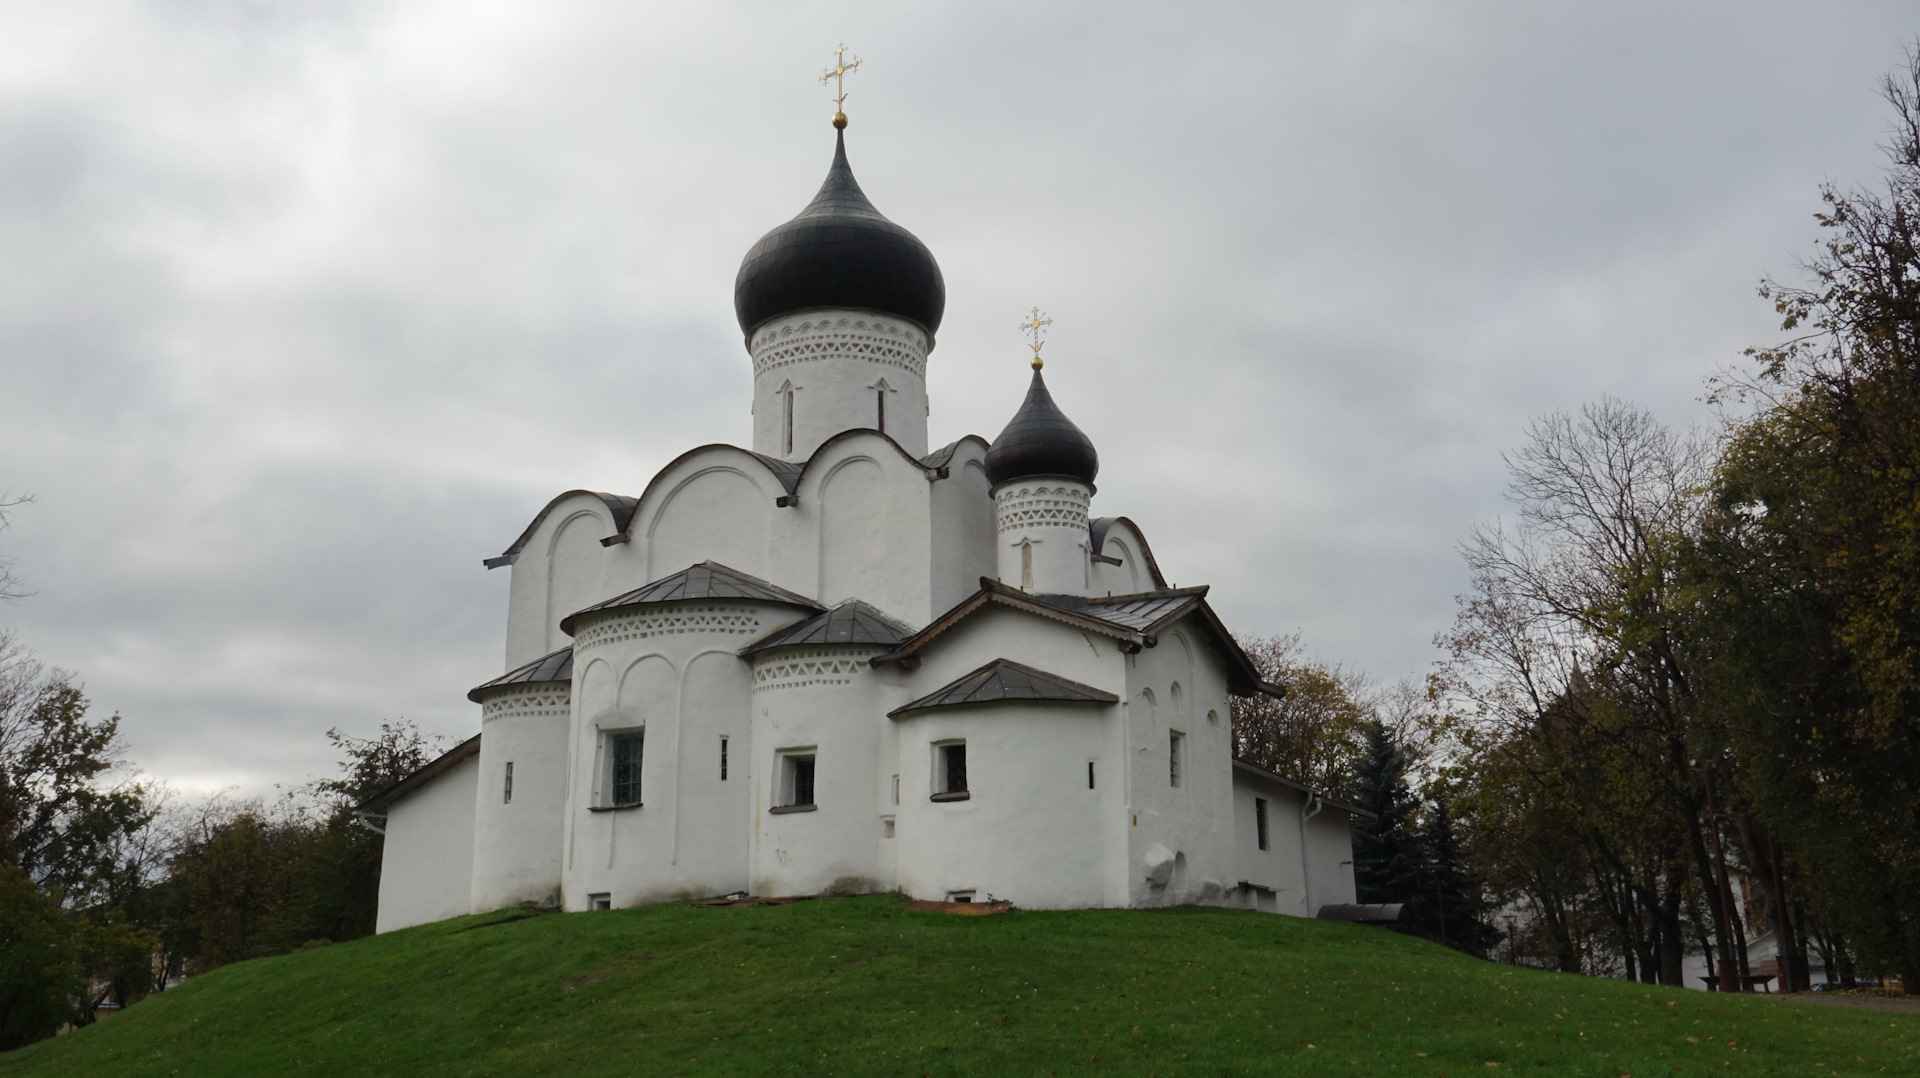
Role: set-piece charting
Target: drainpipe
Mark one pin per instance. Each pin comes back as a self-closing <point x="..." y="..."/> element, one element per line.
<point x="1306" y="873"/>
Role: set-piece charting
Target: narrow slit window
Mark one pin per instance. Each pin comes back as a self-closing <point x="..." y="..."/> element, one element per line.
<point x="723" y="758"/>
<point x="506" y="787"/>
<point x="786" y="417"/>
<point x="1173" y="758"/>
<point x="1260" y="821"/>
<point x="628" y="753"/>
<point x="896" y="789"/>
<point x="1089" y="774"/>
<point x="1026" y="566"/>
<point x="881" y="394"/>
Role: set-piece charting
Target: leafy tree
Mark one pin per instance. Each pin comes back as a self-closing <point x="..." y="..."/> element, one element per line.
<point x="1313" y="733"/>
<point x="42" y="976"/>
<point x="1808" y="563"/>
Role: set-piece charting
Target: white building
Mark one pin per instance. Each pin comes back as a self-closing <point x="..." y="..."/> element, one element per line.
<point x="839" y="661"/>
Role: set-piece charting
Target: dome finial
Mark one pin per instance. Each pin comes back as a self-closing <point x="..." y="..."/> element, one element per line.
<point x="1036" y="325"/>
<point x="838" y="75"/>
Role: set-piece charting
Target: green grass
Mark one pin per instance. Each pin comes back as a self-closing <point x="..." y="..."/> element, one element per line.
<point x="864" y="986"/>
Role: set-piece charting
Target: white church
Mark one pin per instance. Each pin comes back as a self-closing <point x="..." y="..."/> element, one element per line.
<point x="841" y="661"/>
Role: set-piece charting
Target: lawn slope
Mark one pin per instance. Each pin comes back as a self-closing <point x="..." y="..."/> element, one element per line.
<point x="865" y="986"/>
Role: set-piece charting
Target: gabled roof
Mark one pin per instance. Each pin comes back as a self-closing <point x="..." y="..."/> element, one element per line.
<point x="555" y="667"/>
<point x="1133" y="620"/>
<point x="852" y="622"/>
<point x="380" y="802"/>
<point x="707" y="580"/>
<point x="1098" y="528"/>
<point x="994" y="593"/>
<point x="1256" y="769"/>
<point x="1003" y="680"/>
<point x="619" y="505"/>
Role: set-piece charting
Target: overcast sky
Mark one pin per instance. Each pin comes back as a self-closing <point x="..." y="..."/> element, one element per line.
<point x="307" y="308"/>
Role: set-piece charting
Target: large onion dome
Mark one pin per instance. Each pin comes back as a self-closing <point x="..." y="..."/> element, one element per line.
<point x="1041" y="440"/>
<point x="839" y="252"/>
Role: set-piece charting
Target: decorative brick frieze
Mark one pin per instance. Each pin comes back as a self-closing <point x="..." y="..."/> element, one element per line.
<point x="889" y="344"/>
<point x="708" y="620"/>
<point x="540" y="699"/>
<point x="803" y="669"/>
<point x="1023" y="507"/>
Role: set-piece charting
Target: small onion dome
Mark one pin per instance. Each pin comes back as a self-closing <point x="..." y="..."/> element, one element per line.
<point x="839" y="252"/>
<point x="1041" y="440"/>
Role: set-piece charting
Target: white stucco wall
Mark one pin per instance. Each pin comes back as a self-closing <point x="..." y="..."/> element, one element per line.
<point x="1030" y="829"/>
<point x="825" y="701"/>
<point x="962" y="532"/>
<point x="670" y="670"/>
<point x="426" y="862"/>
<point x="1180" y="686"/>
<point x="1042" y="539"/>
<point x="516" y="847"/>
<point x="835" y="362"/>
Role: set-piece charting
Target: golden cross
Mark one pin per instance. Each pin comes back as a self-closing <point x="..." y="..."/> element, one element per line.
<point x="1036" y="325"/>
<point x="838" y="74"/>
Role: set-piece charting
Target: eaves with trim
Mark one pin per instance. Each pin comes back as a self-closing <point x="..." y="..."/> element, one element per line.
<point x="619" y="505"/>
<point x="1132" y="621"/>
<point x="851" y="622"/>
<point x="707" y="580"/>
<point x="555" y="667"/>
<point x="379" y="803"/>
<point x="1350" y="809"/>
<point x="1005" y="681"/>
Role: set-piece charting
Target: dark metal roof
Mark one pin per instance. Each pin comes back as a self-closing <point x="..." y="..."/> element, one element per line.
<point x="1101" y="526"/>
<point x="555" y="667"/>
<point x="852" y="622"/>
<point x="839" y="252"/>
<point x="1002" y="680"/>
<point x="380" y="802"/>
<point x="707" y="580"/>
<point x="1134" y="620"/>
<point x="942" y="457"/>
<point x="1040" y="440"/>
<point x="619" y="505"/>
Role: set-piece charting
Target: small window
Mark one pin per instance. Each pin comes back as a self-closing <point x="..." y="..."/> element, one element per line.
<point x="1173" y="757"/>
<point x="723" y="758"/>
<point x="1026" y="566"/>
<point x="1089" y="774"/>
<point x="950" y="772"/>
<point x="623" y="784"/>
<point x="896" y="789"/>
<point x="601" y="901"/>
<point x="796" y="782"/>
<point x="886" y="829"/>
<point x="786" y="417"/>
<point x="506" y="788"/>
<point x="882" y="425"/>
<point x="1260" y="821"/>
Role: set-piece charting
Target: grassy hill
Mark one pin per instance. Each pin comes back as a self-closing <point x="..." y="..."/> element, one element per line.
<point x="866" y="986"/>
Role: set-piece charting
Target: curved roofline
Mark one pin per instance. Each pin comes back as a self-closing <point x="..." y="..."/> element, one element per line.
<point x="789" y="474"/>
<point x="512" y="680"/>
<point x="943" y="456"/>
<point x="1098" y="527"/>
<point x="621" y="506"/>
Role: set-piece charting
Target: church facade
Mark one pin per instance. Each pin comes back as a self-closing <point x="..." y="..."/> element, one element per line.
<point x="843" y="661"/>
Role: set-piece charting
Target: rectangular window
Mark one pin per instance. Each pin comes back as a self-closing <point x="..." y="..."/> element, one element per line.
<point x="1089" y="774"/>
<point x="882" y="428"/>
<point x="1260" y="821"/>
<point x="723" y="758"/>
<point x="1173" y="757"/>
<point x="796" y="782"/>
<point x="601" y="901"/>
<point x="623" y="780"/>
<point x="506" y="793"/>
<point x="786" y="418"/>
<point x="896" y="789"/>
<point x="950" y="772"/>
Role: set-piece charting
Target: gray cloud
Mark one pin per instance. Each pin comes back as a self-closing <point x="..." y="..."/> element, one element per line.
<point x="304" y="310"/>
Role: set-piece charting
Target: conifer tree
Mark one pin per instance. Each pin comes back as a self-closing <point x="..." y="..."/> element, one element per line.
<point x="1387" y="860"/>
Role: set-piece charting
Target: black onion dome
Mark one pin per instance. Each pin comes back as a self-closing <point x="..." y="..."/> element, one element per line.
<point x="1041" y="440"/>
<point x="839" y="252"/>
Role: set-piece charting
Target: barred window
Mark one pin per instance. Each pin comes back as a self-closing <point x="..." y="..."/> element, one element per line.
<point x="624" y="784"/>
